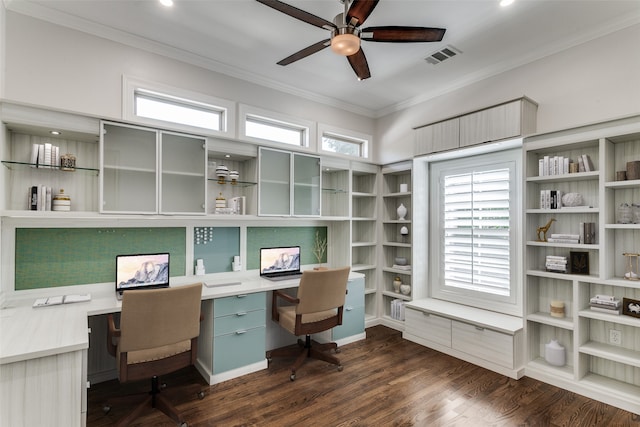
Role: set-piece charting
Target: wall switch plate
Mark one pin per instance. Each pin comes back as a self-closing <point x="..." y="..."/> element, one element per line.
<point x="615" y="337"/>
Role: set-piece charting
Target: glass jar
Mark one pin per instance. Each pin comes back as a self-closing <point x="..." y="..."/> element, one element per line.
<point x="624" y="214"/>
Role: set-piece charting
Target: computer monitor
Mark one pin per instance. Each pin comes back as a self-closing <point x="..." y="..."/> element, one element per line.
<point x="280" y="261"/>
<point x="142" y="271"/>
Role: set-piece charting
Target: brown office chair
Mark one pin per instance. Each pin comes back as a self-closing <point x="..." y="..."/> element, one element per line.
<point x="317" y="307"/>
<point x="158" y="334"/>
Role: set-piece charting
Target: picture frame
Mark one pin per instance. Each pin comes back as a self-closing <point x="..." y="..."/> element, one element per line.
<point x="579" y="262"/>
<point x="631" y="307"/>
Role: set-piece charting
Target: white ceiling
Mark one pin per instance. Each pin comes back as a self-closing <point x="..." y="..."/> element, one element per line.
<point x="245" y="39"/>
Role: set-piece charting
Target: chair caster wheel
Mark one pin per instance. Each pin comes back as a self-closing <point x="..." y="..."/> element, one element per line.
<point x="106" y="409"/>
<point x="339" y="368"/>
<point x="201" y="395"/>
<point x="292" y="377"/>
<point x="184" y="424"/>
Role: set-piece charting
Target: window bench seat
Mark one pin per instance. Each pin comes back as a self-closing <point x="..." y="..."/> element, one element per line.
<point x="492" y="340"/>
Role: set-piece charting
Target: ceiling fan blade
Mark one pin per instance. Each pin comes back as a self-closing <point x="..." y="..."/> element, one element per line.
<point x="317" y="47"/>
<point x="359" y="64"/>
<point x="360" y="10"/>
<point x="396" y="34"/>
<point x="298" y="13"/>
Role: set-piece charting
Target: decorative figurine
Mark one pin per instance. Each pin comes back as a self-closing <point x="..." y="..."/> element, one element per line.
<point x="631" y="273"/>
<point x="542" y="231"/>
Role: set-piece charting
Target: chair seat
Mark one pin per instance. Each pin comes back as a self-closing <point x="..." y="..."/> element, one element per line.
<point x="151" y="354"/>
<point x="288" y="317"/>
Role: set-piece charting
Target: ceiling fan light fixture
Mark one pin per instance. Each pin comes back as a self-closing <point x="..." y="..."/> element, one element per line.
<point x="345" y="42"/>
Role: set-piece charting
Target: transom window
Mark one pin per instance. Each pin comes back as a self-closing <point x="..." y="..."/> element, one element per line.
<point x="158" y="106"/>
<point x="340" y="144"/>
<point x="276" y="131"/>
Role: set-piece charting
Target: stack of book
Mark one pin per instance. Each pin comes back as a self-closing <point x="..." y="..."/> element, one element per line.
<point x="588" y="233"/>
<point x="550" y="199"/>
<point x="605" y="304"/>
<point x="397" y="309"/>
<point x="563" y="238"/>
<point x="556" y="264"/>
<point x="401" y="267"/>
<point x="39" y="198"/>
<point x="45" y="155"/>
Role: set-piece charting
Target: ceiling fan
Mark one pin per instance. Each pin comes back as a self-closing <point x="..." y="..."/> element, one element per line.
<point x="346" y="33"/>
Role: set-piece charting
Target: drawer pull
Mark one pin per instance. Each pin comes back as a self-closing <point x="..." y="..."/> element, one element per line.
<point x="478" y="328"/>
<point x="240" y="332"/>
<point x="241" y="313"/>
<point x="348" y="308"/>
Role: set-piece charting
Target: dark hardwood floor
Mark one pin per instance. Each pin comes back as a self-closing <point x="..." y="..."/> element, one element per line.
<point x="386" y="381"/>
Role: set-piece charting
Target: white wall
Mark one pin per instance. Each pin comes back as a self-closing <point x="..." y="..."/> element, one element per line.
<point x="589" y="83"/>
<point x="63" y="69"/>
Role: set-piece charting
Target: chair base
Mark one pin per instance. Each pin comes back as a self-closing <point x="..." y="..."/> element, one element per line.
<point x="305" y="350"/>
<point x="151" y="399"/>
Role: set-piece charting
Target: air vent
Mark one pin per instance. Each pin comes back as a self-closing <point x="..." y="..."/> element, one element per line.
<point x="442" y="55"/>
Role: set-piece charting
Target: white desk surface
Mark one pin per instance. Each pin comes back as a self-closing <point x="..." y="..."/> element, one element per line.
<point x="28" y="333"/>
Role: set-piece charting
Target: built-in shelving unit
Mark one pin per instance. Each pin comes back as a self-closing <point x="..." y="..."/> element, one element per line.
<point x="596" y="365"/>
<point x="364" y="185"/>
<point x="395" y="255"/>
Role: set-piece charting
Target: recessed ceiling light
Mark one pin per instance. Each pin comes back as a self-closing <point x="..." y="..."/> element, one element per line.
<point x="166" y="3"/>
<point x="504" y="3"/>
<point x="55" y="132"/>
<point x="227" y="155"/>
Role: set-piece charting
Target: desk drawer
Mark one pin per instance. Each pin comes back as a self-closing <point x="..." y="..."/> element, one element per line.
<point x="428" y="326"/>
<point x="483" y="343"/>
<point x="240" y="303"/>
<point x="238" y="349"/>
<point x="240" y="321"/>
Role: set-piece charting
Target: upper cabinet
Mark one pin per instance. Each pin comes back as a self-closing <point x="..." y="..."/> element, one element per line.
<point x="145" y="171"/>
<point x="507" y="120"/>
<point x="289" y="184"/>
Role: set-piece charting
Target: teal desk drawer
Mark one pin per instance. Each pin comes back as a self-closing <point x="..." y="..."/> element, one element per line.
<point x="355" y="297"/>
<point x="352" y="323"/>
<point x="238" y="349"/>
<point x="239" y="321"/>
<point x="239" y="303"/>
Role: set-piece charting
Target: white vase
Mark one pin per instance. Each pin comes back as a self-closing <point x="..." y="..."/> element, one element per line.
<point x="554" y="353"/>
<point x="402" y="212"/>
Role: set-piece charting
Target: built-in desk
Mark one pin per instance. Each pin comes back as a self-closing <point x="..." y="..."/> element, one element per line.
<point x="44" y="351"/>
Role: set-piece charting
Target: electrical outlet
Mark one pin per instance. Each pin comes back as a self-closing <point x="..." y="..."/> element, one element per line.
<point x="615" y="337"/>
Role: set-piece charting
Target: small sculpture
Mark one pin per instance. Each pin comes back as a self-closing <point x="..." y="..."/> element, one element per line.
<point x="543" y="229"/>
<point x="632" y="272"/>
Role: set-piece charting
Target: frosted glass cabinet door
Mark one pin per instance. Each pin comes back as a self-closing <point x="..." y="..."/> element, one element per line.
<point x="275" y="183"/>
<point x="306" y="185"/>
<point x="128" y="182"/>
<point x="183" y="178"/>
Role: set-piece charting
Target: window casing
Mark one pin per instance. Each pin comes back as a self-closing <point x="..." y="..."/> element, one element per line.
<point x="475" y="207"/>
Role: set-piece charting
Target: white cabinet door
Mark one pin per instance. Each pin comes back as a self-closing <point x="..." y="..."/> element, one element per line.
<point x="290" y="184"/>
<point x="129" y="163"/>
<point x="437" y="137"/>
<point x="183" y="178"/>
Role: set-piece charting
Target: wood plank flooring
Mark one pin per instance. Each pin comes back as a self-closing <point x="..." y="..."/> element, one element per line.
<point x="386" y="381"/>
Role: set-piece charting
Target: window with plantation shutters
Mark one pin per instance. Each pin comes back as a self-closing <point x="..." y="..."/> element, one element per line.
<point x="474" y="218"/>
<point x="476" y="230"/>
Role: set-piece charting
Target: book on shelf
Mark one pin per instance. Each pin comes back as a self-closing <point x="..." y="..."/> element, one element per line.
<point x="550" y="199"/>
<point x="587" y="232"/>
<point x="397" y="309"/>
<point x="615" y="311"/>
<point x="564" y="236"/>
<point x="45" y="155"/>
<point x="39" y="198"/>
<point x="61" y="299"/>
<point x="560" y="240"/>
<point x="588" y="164"/>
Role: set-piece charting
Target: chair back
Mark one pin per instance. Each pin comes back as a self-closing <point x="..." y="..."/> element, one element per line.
<point x="321" y="290"/>
<point x="159" y="317"/>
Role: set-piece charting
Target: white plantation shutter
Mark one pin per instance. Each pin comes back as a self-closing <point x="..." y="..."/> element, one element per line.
<point x="476" y="231"/>
<point x="474" y="215"/>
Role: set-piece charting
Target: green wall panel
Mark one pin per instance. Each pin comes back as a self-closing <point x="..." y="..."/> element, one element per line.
<point x="269" y="237"/>
<point x="216" y="246"/>
<point x="50" y="257"/>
